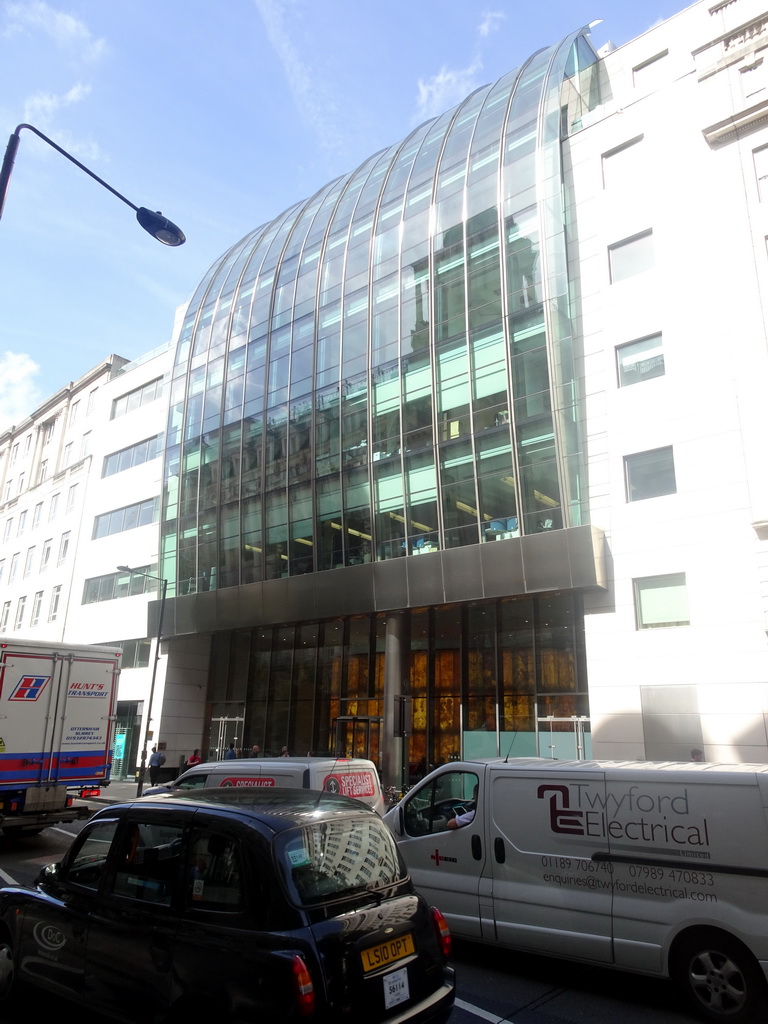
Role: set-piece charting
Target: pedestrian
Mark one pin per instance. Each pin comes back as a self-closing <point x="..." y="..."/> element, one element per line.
<point x="697" y="754"/>
<point x="156" y="762"/>
<point x="255" y="750"/>
<point x="231" y="754"/>
<point x="194" y="759"/>
<point x="284" y="752"/>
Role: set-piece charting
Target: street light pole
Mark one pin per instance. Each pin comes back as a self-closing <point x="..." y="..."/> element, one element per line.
<point x="163" y="592"/>
<point x="155" y="224"/>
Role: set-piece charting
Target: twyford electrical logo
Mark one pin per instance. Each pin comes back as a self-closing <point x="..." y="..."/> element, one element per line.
<point x="29" y="687"/>
<point x="580" y="809"/>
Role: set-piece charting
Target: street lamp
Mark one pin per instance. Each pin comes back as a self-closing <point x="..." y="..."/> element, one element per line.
<point x="149" y="576"/>
<point x="156" y="224"/>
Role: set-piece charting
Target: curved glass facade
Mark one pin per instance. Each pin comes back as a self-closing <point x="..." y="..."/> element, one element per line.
<point x="386" y="369"/>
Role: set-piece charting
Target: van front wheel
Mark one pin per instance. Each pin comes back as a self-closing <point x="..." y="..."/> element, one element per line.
<point x="721" y="977"/>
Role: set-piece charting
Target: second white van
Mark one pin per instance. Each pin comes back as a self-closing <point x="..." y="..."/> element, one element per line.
<point x="355" y="777"/>
<point x="656" y="868"/>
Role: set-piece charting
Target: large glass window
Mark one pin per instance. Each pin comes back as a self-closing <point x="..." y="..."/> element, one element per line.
<point x="661" y="601"/>
<point x="640" y="360"/>
<point x="631" y="256"/>
<point x="137" y="398"/>
<point x="135" y="455"/>
<point x="650" y="474"/>
<point x="131" y="517"/>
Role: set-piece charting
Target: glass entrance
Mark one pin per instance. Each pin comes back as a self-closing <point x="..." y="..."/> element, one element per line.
<point x="225" y="730"/>
<point x="358" y="736"/>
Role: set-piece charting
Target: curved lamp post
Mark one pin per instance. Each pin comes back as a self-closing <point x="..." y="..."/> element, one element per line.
<point x="156" y="224"/>
<point x="164" y="582"/>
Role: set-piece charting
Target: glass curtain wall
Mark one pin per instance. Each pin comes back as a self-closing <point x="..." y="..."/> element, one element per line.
<point x="386" y="369"/>
<point x="484" y="680"/>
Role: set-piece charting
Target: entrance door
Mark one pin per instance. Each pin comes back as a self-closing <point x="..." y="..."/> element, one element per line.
<point x="358" y="736"/>
<point x="225" y="730"/>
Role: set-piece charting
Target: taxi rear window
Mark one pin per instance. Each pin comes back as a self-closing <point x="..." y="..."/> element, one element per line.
<point x="329" y="860"/>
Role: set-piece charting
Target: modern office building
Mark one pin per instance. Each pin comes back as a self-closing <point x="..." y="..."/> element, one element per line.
<point x="470" y="445"/>
<point x="477" y="433"/>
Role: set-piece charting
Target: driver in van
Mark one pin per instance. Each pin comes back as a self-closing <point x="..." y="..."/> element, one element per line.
<point x="466" y="816"/>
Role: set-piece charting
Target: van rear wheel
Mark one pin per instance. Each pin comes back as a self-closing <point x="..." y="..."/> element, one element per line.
<point x="721" y="978"/>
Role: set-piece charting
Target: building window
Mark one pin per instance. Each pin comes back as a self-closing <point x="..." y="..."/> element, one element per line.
<point x="14" y="454"/>
<point x="91" y="400"/>
<point x="63" y="547"/>
<point x="43" y="471"/>
<point x="4" y="616"/>
<point x="66" y="457"/>
<point x="136" y="455"/>
<point x="651" y="72"/>
<point x="53" y="508"/>
<point x="85" y="445"/>
<point x="136" y="398"/>
<point x="45" y="557"/>
<point x="22" y="522"/>
<point x="119" y="584"/>
<point x="2" y="569"/>
<point x="22" y="481"/>
<point x="53" y="611"/>
<point x="135" y="652"/>
<point x="8" y="490"/>
<point x="640" y="360"/>
<point x="623" y="165"/>
<point x="760" y="157"/>
<point x="631" y="256"/>
<point x="128" y="518"/>
<point x="73" y="412"/>
<point x="649" y="474"/>
<point x="20" y="612"/>
<point x="71" y="497"/>
<point x="37" y="515"/>
<point x="36" y="604"/>
<point x="14" y="567"/>
<point x="8" y="528"/>
<point x="47" y="432"/>
<point x="661" y="601"/>
<point x="28" y="561"/>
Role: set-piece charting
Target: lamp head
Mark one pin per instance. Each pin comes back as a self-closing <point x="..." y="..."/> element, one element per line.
<point x="160" y="227"/>
<point x="124" y="568"/>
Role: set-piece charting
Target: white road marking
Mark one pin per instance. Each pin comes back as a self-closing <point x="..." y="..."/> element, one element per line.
<point x="7" y="878"/>
<point x="483" y="1014"/>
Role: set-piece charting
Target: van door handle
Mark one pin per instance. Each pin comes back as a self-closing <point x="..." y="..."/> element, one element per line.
<point x="499" y="850"/>
<point x="476" y="847"/>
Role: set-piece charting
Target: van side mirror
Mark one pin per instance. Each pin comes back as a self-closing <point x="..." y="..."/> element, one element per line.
<point x="48" y="874"/>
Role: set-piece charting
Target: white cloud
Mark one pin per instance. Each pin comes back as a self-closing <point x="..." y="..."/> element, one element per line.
<point x="41" y="108"/>
<point x="490" y="23"/>
<point x="311" y="98"/>
<point x="19" y="393"/>
<point x="67" y="32"/>
<point x="447" y="88"/>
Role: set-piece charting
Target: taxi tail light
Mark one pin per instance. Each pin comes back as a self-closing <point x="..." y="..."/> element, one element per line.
<point x="442" y="931"/>
<point x="303" y="988"/>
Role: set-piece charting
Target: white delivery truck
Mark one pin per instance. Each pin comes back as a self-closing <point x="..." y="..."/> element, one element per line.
<point x="348" y="776"/>
<point x="57" y="706"/>
<point x="658" y="868"/>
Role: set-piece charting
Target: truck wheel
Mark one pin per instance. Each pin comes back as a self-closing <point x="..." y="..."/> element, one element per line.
<point x="7" y="968"/>
<point x="721" y="977"/>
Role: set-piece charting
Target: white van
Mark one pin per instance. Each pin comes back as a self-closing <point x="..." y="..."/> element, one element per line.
<point x="659" y="868"/>
<point x="354" y="777"/>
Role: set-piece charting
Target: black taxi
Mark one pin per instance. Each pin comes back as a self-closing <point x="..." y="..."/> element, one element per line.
<point x="275" y="905"/>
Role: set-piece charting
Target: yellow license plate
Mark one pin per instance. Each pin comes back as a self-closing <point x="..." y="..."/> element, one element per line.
<point x="387" y="952"/>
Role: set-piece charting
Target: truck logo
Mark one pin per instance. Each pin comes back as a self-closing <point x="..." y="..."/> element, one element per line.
<point x="437" y="858"/>
<point x="562" y="817"/>
<point x="29" y="688"/>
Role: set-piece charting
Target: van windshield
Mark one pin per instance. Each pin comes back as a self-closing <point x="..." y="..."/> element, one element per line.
<point x="328" y="860"/>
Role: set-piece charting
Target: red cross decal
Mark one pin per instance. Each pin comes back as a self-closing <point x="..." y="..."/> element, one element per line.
<point x="436" y="858"/>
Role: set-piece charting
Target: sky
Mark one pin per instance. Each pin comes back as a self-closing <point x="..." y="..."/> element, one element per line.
<point x="221" y="114"/>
